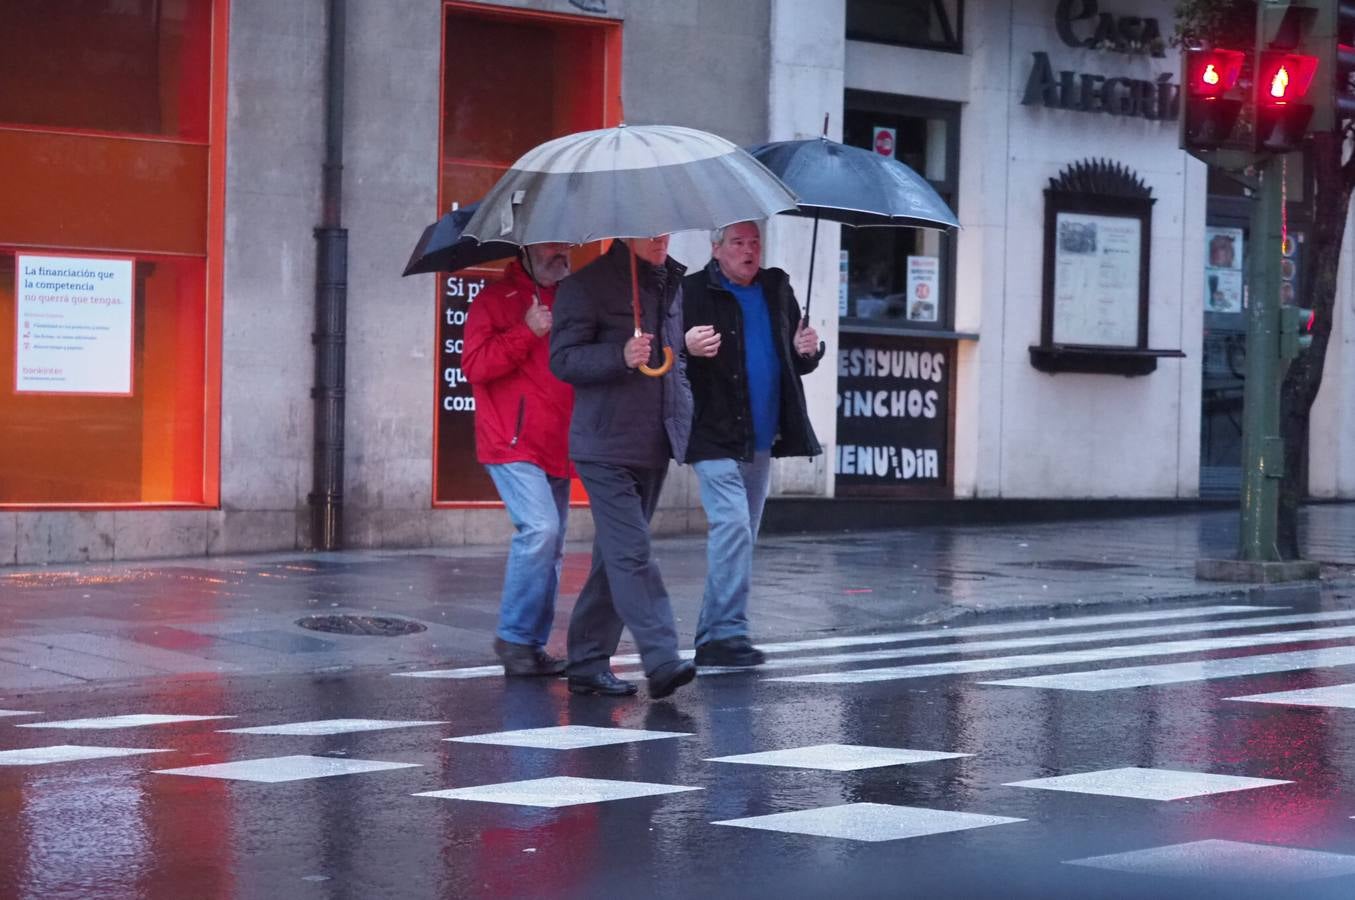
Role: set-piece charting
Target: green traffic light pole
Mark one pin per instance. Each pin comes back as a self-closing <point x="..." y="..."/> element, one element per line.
<point x="1310" y="28"/>
<point x="1263" y="461"/>
<point x="1262" y="446"/>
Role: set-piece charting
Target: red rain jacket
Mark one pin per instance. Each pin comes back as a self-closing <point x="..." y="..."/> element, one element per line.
<point x="521" y="409"/>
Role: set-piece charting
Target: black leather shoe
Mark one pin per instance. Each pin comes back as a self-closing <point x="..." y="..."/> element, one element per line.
<point x="731" y="653"/>
<point x="669" y="677"/>
<point x="524" y="660"/>
<point x="604" y="683"/>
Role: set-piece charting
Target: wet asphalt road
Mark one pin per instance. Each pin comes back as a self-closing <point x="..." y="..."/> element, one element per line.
<point x="115" y="828"/>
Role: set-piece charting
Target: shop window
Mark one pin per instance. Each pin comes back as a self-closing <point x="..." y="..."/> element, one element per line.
<point x="110" y="162"/>
<point x="931" y="24"/>
<point x="901" y="279"/>
<point x="564" y="78"/>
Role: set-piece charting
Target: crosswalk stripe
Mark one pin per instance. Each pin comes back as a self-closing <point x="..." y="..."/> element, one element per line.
<point x="1198" y="670"/>
<point x="1162" y="615"/>
<point x="796" y="662"/>
<point x="1068" y="657"/>
<point x="898" y="637"/>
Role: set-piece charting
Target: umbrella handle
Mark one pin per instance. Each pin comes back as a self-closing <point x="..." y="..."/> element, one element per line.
<point x="662" y="369"/>
<point x="635" y="308"/>
<point x="813" y="251"/>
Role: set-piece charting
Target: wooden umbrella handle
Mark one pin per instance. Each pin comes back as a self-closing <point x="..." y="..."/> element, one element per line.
<point x="663" y="369"/>
<point x="635" y="308"/>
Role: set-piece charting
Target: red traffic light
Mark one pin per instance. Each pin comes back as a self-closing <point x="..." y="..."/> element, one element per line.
<point x="1283" y="78"/>
<point x="1213" y="73"/>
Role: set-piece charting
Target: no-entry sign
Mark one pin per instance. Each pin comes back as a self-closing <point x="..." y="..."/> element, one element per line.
<point x="884" y="141"/>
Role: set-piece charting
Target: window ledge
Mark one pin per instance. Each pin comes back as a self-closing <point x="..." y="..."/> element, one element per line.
<point x="1127" y="361"/>
<point x="896" y="331"/>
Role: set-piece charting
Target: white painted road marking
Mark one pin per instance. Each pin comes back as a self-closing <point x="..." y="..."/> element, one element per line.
<point x="1199" y="670"/>
<point x="41" y="756"/>
<point x="131" y="721"/>
<point x="1147" y="784"/>
<point x="1070" y="657"/>
<point x="286" y="768"/>
<point x="899" y="637"/>
<point x="796" y="662"/>
<point x="553" y="793"/>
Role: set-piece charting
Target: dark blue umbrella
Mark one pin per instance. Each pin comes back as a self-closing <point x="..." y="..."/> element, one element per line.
<point x="852" y="186"/>
<point x="443" y="247"/>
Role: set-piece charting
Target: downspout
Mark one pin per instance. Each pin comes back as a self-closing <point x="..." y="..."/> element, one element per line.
<point x="331" y="309"/>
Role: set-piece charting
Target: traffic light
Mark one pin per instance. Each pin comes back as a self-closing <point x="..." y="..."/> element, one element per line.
<point x="1296" y="330"/>
<point x="1324" y="30"/>
<point x="1342" y="66"/>
<point x="1212" y="105"/>
<point x="1282" y="80"/>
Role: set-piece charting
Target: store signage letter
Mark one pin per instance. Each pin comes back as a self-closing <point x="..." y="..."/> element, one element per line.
<point x="1126" y="34"/>
<point x="1082" y="92"/>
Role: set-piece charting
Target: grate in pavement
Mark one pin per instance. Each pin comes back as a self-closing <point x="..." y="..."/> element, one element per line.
<point x="1073" y="565"/>
<point x="373" y="626"/>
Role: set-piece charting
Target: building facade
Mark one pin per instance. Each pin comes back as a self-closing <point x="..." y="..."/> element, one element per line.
<point x="1078" y="338"/>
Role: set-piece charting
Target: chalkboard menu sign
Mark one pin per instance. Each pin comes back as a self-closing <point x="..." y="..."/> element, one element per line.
<point x="459" y="478"/>
<point x="893" y="415"/>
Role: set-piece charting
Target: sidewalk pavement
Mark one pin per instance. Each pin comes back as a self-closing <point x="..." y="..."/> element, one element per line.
<point x="62" y="627"/>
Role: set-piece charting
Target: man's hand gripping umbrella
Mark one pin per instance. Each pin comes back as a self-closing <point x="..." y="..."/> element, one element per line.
<point x="639" y="328"/>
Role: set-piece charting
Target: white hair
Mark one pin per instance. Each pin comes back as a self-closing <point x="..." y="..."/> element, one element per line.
<point x="717" y="235"/>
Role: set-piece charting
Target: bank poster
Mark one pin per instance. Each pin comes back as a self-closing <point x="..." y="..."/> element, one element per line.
<point x="1223" y="279"/>
<point x="1096" y="280"/>
<point x="74" y="325"/>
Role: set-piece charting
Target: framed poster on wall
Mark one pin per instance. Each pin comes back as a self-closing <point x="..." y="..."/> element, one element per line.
<point x="1097" y="260"/>
<point x="1097" y="265"/>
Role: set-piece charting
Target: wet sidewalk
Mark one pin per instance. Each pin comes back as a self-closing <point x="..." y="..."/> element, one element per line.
<point x="66" y="626"/>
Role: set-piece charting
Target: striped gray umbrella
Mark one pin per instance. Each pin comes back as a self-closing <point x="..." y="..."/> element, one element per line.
<point x="628" y="181"/>
<point x="637" y="181"/>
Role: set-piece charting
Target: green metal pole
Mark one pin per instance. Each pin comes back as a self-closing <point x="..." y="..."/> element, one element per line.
<point x="1262" y="447"/>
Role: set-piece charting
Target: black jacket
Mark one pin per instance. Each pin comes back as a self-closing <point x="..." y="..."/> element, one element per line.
<point x="621" y="416"/>
<point x="722" y="426"/>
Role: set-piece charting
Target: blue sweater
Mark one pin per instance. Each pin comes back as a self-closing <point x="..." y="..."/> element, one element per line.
<point x="760" y="363"/>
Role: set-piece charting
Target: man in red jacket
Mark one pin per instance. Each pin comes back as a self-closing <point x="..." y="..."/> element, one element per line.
<point x="522" y="438"/>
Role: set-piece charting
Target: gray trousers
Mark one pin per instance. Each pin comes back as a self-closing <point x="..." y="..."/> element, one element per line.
<point x="624" y="587"/>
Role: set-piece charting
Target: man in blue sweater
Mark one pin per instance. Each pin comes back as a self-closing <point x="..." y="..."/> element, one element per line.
<point x="747" y="349"/>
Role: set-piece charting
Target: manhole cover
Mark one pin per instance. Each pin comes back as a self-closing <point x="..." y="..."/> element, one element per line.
<point x="375" y="626"/>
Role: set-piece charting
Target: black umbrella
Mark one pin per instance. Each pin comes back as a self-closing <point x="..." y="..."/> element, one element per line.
<point x="443" y="247"/>
<point x="852" y="186"/>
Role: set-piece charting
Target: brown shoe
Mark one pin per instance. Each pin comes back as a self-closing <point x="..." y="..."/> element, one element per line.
<point x="524" y="660"/>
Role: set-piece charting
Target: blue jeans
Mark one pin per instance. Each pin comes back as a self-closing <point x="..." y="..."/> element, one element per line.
<point x="733" y="494"/>
<point x="538" y="506"/>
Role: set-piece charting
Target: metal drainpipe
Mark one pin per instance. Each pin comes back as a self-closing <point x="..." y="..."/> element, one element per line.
<point x="331" y="309"/>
